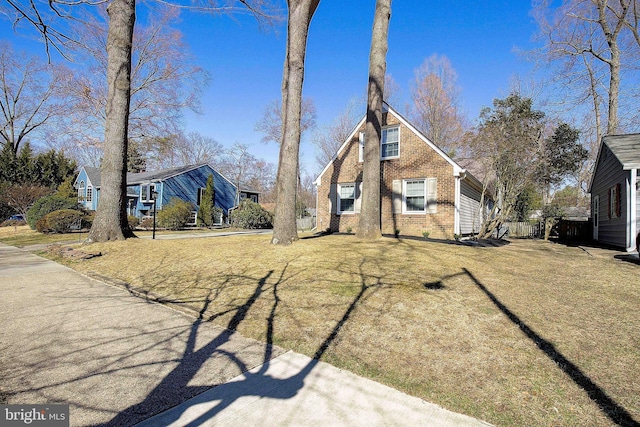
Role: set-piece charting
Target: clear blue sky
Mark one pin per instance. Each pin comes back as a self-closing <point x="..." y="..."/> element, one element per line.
<point x="245" y="61"/>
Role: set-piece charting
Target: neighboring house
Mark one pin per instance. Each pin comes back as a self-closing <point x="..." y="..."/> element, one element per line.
<point x="422" y="189"/>
<point x="615" y="192"/>
<point x="186" y="183"/>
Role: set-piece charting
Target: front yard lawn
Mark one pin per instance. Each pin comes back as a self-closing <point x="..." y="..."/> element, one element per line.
<point x="529" y="333"/>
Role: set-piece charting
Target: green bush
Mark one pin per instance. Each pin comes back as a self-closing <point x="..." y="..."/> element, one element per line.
<point x="60" y="221"/>
<point x="175" y="215"/>
<point x="251" y="215"/>
<point x="46" y="205"/>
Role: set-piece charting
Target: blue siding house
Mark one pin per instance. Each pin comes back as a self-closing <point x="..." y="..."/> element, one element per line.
<point x="186" y="183"/>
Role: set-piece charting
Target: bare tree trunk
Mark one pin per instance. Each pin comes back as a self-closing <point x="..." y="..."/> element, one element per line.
<point x="284" y="225"/>
<point x="611" y="36"/>
<point x="614" y="89"/>
<point x="369" y="220"/>
<point x="111" y="218"/>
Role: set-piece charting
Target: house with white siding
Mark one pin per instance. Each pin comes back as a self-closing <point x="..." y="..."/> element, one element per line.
<point x="615" y="192"/>
<point x="422" y="189"/>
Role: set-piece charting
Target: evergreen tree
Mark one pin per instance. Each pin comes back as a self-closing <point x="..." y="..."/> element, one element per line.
<point x="207" y="204"/>
<point x="8" y="164"/>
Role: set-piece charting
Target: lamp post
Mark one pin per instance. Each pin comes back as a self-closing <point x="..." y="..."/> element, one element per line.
<point x="154" y="197"/>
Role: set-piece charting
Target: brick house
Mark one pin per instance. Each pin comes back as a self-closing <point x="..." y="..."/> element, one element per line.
<point x="422" y="189"/>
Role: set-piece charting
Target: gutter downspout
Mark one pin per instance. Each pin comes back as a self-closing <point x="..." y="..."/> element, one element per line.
<point x="632" y="210"/>
<point x="315" y="226"/>
<point x="456" y="215"/>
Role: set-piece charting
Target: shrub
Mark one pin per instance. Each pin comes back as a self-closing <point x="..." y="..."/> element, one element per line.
<point x="146" y="223"/>
<point x="251" y="215"/>
<point x="87" y="219"/>
<point x="46" y="205"/>
<point x="60" y="221"/>
<point x="175" y="215"/>
<point x="133" y="221"/>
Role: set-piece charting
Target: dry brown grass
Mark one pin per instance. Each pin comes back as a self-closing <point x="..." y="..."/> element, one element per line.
<point x="515" y="335"/>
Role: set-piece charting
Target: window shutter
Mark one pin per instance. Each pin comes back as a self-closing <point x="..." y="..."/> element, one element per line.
<point x="618" y="200"/>
<point x="609" y="203"/>
<point x="397" y="196"/>
<point x="358" y="201"/>
<point x="333" y="198"/>
<point x="432" y="195"/>
<point x="361" y="147"/>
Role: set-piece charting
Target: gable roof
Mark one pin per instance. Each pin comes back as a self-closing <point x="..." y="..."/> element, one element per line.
<point x="160" y="175"/>
<point x="386" y="108"/>
<point x="626" y="148"/>
<point x="93" y="175"/>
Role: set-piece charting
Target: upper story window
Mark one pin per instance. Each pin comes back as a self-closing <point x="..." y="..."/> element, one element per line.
<point x="146" y="192"/>
<point x="390" y="143"/>
<point x="89" y="193"/>
<point x="81" y="190"/>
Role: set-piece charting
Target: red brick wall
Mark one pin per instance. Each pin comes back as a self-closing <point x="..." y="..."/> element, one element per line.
<point x="417" y="160"/>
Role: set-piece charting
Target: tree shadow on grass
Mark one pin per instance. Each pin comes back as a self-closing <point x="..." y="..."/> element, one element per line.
<point x="613" y="410"/>
<point x="173" y="388"/>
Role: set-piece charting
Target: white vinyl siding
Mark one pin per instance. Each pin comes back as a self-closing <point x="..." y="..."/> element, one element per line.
<point x="390" y="143"/>
<point x="470" y="211"/>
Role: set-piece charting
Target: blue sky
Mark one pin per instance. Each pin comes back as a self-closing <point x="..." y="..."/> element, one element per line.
<point x="245" y="61"/>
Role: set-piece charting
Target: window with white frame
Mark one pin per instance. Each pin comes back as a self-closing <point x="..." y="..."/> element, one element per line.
<point x="81" y="190"/>
<point x="615" y="201"/>
<point x="89" y="193"/>
<point x="200" y="195"/>
<point x="347" y="198"/>
<point x="390" y="143"/>
<point x="146" y="192"/>
<point x="415" y="195"/>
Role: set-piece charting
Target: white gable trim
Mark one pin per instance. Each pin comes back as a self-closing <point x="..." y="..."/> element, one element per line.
<point x="75" y="182"/>
<point x="457" y="169"/>
<point x="318" y="180"/>
<point x="595" y="165"/>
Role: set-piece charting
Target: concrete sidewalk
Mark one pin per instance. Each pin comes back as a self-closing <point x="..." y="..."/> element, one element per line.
<point x="120" y="360"/>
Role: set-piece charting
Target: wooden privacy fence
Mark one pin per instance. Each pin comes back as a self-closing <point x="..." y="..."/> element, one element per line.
<point x="524" y="229"/>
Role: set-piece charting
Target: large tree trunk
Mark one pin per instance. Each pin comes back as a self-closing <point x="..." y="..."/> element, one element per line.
<point x="369" y="220"/>
<point x="111" y="218"/>
<point x="284" y="225"/>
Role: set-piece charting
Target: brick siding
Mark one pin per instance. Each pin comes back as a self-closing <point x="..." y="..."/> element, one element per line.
<point x="417" y="160"/>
